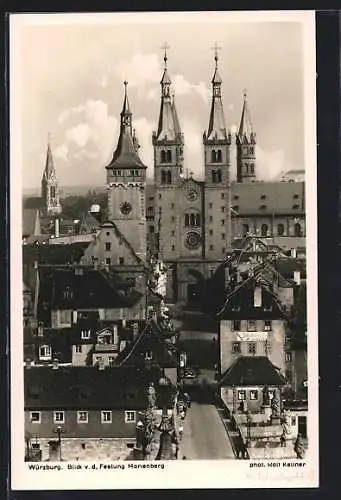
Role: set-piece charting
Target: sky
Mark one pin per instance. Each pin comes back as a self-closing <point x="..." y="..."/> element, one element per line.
<point x="71" y="87"/>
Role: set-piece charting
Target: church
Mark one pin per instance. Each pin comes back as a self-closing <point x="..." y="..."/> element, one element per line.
<point x="191" y="225"/>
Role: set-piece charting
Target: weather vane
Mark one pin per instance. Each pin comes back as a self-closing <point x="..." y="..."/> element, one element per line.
<point x="165" y="47"/>
<point x="216" y="48"/>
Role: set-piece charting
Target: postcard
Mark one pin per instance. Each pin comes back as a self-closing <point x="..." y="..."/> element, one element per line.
<point x="163" y="250"/>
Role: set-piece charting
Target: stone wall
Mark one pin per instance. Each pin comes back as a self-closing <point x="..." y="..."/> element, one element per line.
<point x="90" y="449"/>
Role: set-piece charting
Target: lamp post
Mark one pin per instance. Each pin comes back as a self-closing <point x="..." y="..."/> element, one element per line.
<point x="248" y="429"/>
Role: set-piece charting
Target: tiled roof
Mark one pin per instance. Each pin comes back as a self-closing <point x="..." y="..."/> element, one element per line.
<point x="93" y="288"/>
<point x="252" y="371"/>
<point x="88" y="388"/>
<point x="58" y="339"/>
<point x="54" y="254"/>
<point x="287" y="267"/>
<point x="267" y="198"/>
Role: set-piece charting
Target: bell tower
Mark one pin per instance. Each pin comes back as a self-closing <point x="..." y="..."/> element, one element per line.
<point x="49" y="186"/>
<point x="126" y="184"/>
<point x="217" y="143"/>
<point x="246" y="144"/>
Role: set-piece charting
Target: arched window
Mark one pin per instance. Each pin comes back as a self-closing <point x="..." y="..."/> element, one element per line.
<point x="169" y="177"/>
<point x="169" y="156"/>
<point x="297" y="229"/>
<point x="214" y="176"/>
<point x="192" y="220"/>
<point x="246" y="168"/>
<point x="264" y="230"/>
<point x="280" y="229"/>
<point x="52" y="191"/>
<point x="163" y="177"/>
<point x="252" y="168"/>
<point x="213" y="156"/>
<point x="197" y="220"/>
<point x="219" y="156"/>
<point x="163" y="156"/>
<point x="245" y="229"/>
<point x="219" y="176"/>
<point x="186" y="220"/>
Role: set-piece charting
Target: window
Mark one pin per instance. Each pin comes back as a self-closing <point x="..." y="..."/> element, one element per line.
<point x="219" y="156"/>
<point x="245" y="229"/>
<point x="213" y="157"/>
<point x="222" y="196"/>
<point x="108" y="261"/>
<point x="236" y="347"/>
<point x="85" y="334"/>
<point x="169" y="177"/>
<point x="173" y="248"/>
<point x="173" y="233"/>
<point x="52" y="191"/>
<point x="241" y="395"/>
<point x="107" y="233"/>
<point x="78" y="348"/>
<point x="251" y="326"/>
<point x="288" y="357"/>
<point x="107" y="247"/>
<point x="262" y="207"/>
<point x="264" y="230"/>
<point x="58" y="417"/>
<point x="211" y="247"/>
<point x="106" y="417"/>
<point x="186" y="220"/>
<point x="148" y="355"/>
<point x="252" y="167"/>
<point x="130" y="417"/>
<point x="65" y="317"/>
<point x="211" y="232"/>
<point x="172" y="218"/>
<point x="295" y="196"/>
<point x="223" y="250"/>
<point x="210" y="205"/>
<point x="253" y="395"/>
<point x="45" y="351"/>
<point x="150" y="210"/>
<point x="236" y="197"/>
<point x="163" y="156"/>
<point x="236" y="325"/>
<point x="68" y="293"/>
<point x="35" y="417"/>
<point x="267" y="325"/>
<point x="295" y="207"/>
<point x="172" y="205"/>
<point x="169" y="156"/>
<point x="252" y="347"/>
<point x="163" y="177"/>
<point x="222" y="236"/>
<point x="160" y="196"/>
<point x="121" y="261"/>
<point x="211" y="218"/>
<point x="223" y="209"/>
<point x="82" y="417"/>
<point x="111" y="361"/>
<point x="151" y="229"/>
<point x="297" y="230"/>
<point x="223" y="222"/>
<point x="280" y="229"/>
<point x="263" y="197"/>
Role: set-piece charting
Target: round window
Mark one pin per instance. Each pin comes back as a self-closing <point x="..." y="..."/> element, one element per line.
<point x="125" y="208"/>
<point x="192" y="240"/>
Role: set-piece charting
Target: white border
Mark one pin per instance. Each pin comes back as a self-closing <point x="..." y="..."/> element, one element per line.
<point x="176" y="474"/>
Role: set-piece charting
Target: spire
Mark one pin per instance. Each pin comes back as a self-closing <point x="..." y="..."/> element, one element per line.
<point x="216" y="127"/>
<point x="177" y="127"/>
<point x="126" y="113"/>
<point x="125" y="155"/>
<point x="245" y="132"/>
<point x="168" y="125"/>
<point x="49" y="167"/>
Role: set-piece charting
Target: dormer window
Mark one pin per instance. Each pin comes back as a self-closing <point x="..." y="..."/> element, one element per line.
<point x="45" y="352"/>
<point x="148" y="355"/>
<point x="68" y="294"/>
<point x="85" y="334"/>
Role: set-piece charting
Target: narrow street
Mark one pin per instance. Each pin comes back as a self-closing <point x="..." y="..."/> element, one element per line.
<point x="204" y="435"/>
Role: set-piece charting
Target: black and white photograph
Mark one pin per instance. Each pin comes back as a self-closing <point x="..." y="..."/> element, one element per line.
<point x="163" y="250"/>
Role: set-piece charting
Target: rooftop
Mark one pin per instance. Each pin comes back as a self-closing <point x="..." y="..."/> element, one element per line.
<point x="254" y="371"/>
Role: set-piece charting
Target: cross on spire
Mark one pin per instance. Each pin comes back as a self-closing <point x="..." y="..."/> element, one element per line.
<point x="244" y="94"/>
<point x="165" y="47"/>
<point x="216" y="48"/>
<point x="125" y="86"/>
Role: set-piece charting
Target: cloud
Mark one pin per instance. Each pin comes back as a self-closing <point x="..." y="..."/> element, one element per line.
<point x="141" y="70"/>
<point x="79" y="134"/>
<point x="61" y="152"/>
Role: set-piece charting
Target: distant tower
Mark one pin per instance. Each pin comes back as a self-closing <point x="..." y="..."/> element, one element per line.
<point x="168" y="142"/>
<point x="217" y="142"/>
<point x="49" y="187"/>
<point x="126" y="181"/>
<point x="246" y="143"/>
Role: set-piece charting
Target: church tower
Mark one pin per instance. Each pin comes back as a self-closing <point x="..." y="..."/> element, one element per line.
<point x="246" y="143"/>
<point x="217" y="143"/>
<point x="126" y="183"/>
<point x="168" y="143"/>
<point x="49" y="187"/>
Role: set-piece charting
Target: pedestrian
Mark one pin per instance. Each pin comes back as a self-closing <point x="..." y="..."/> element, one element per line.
<point x="299" y="447"/>
<point x="181" y="431"/>
<point x="176" y="450"/>
<point x="283" y="441"/>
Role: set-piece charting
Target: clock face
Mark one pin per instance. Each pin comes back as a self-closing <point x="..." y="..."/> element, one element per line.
<point x="192" y="240"/>
<point x="125" y="208"/>
<point x="192" y="195"/>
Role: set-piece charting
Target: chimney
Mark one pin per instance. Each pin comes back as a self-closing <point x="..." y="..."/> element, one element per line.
<point x="297" y="277"/>
<point x="55" y="364"/>
<point x="56" y="228"/>
<point x="257" y="296"/>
